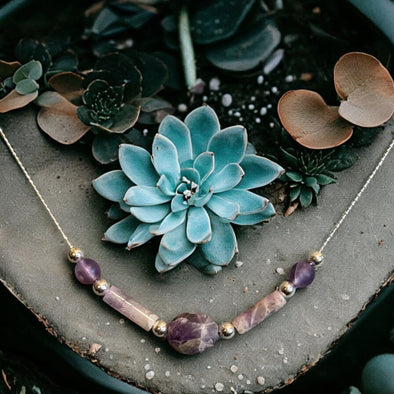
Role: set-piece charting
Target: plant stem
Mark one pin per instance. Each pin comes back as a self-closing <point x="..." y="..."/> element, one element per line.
<point x="187" y="51"/>
<point x="11" y="8"/>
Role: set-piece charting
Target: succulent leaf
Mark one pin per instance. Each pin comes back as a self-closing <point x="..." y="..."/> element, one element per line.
<point x="112" y="185"/>
<point x="119" y="233"/>
<point x="306" y="196"/>
<point x="189" y="195"/>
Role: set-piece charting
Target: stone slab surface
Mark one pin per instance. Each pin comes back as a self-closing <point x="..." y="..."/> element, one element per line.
<point x="32" y="263"/>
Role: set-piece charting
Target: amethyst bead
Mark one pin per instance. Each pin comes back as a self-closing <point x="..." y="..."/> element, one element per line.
<point x="192" y="333"/>
<point x="302" y="274"/>
<point x="87" y="271"/>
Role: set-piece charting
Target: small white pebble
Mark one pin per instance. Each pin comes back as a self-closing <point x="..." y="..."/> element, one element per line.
<point x="157" y="349"/>
<point x="272" y="125"/>
<point x="234" y="369"/>
<point x="263" y="111"/>
<point x="268" y="261"/>
<point x="182" y="107"/>
<point x="289" y="78"/>
<point x="230" y="111"/>
<point x="285" y="360"/>
<point x="209" y="367"/>
<point x="167" y="373"/>
<point x="147" y="367"/>
<point x="241" y="119"/>
<point x="111" y="356"/>
<point x="150" y="375"/>
<point x="274" y="89"/>
<point x="57" y="298"/>
<point x="145" y="132"/>
<point x="345" y="297"/>
<point x="83" y="338"/>
<point x="107" y="323"/>
<point x="227" y="100"/>
<point x="121" y="321"/>
<point x="260" y="380"/>
<point x="269" y="106"/>
<point x="280" y="270"/>
<point x="237" y="114"/>
<point x="329" y="328"/>
<point x="219" y="386"/>
<point x="248" y="382"/>
<point x="204" y="98"/>
<point x="142" y="341"/>
<point x="251" y="106"/>
<point x="243" y="106"/>
<point x="239" y="264"/>
<point x="214" y="84"/>
<point x="315" y="335"/>
<point x="258" y="120"/>
<point x="315" y="307"/>
<point x="260" y="79"/>
<point x="203" y="386"/>
<point x="147" y="359"/>
<point x="253" y="98"/>
<point x="240" y="376"/>
<point x="281" y="351"/>
<point x="106" y="349"/>
<point x="211" y="300"/>
<point x="299" y="344"/>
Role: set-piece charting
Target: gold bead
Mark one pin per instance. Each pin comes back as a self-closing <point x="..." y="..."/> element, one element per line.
<point x="160" y="328"/>
<point x="226" y="330"/>
<point x="317" y="258"/>
<point x="74" y="254"/>
<point x="100" y="286"/>
<point x="287" y="288"/>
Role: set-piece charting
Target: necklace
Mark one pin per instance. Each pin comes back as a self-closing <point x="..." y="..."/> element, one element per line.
<point x="192" y="333"/>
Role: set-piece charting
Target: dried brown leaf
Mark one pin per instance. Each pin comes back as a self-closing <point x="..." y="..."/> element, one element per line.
<point x="68" y="84"/>
<point x="58" y="118"/>
<point x="8" y="68"/>
<point x="366" y="87"/>
<point x="14" y="100"/>
<point x="311" y="122"/>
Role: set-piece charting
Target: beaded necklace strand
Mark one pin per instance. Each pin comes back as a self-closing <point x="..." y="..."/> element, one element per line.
<point x="192" y="333"/>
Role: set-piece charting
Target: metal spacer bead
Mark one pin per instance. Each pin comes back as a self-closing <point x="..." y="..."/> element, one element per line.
<point x="317" y="259"/>
<point x="74" y="254"/>
<point x="287" y="288"/>
<point x="160" y="328"/>
<point x="100" y="287"/>
<point x="226" y="330"/>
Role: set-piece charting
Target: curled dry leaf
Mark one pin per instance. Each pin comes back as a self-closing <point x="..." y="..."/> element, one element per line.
<point x="58" y="118"/>
<point x="68" y="84"/>
<point x="311" y="122"/>
<point x="367" y="89"/>
<point x="8" y="68"/>
<point x="14" y="100"/>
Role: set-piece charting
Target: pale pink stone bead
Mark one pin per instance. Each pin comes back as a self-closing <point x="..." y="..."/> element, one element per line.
<point x="258" y="312"/>
<point x="130" y="308"/>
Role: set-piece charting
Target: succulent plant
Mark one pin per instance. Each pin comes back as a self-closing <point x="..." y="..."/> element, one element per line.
<point x="18" y="84"/>
<point x="308" y="171"/>
<point x="189" y="191"/>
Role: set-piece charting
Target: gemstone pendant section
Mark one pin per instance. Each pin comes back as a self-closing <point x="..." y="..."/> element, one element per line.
<point x="130" y="308"/>
<point x="259" y="312"/>
<point x="192" y="333"/>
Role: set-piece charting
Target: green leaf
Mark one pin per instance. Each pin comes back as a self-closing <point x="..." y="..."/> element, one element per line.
<point x="316" y="188"/>
<point x="294" y="193"/>
<point x="26" y="86"/>
<point x="247" y="49"/>
<point x="105" y="147"/>
<point x="217" y="20"/>
<point x="324" y="179"/>
<point x="294" y="176"/>
<point x="306" y="196"/>
<point x="288" y="159"/>
<point x="32" y="70"/>
<point x="310" y="180"/>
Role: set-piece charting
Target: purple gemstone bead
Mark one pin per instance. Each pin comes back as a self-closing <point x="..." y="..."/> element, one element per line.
<point x="192" y="333"/>
<point x="87" y="271"/>
<point x="302" y="274"/>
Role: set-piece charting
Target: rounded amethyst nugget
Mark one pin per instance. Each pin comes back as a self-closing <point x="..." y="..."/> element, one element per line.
<point x="87" y="271"/>
<point x="302" y="274"/>
<point x="192" y="333"/>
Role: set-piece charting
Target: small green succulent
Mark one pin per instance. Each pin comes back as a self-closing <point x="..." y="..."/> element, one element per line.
<point x="307" y="172"/>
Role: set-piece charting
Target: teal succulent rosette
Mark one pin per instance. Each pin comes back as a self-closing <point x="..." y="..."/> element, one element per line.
<point x="190" y="190"/>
